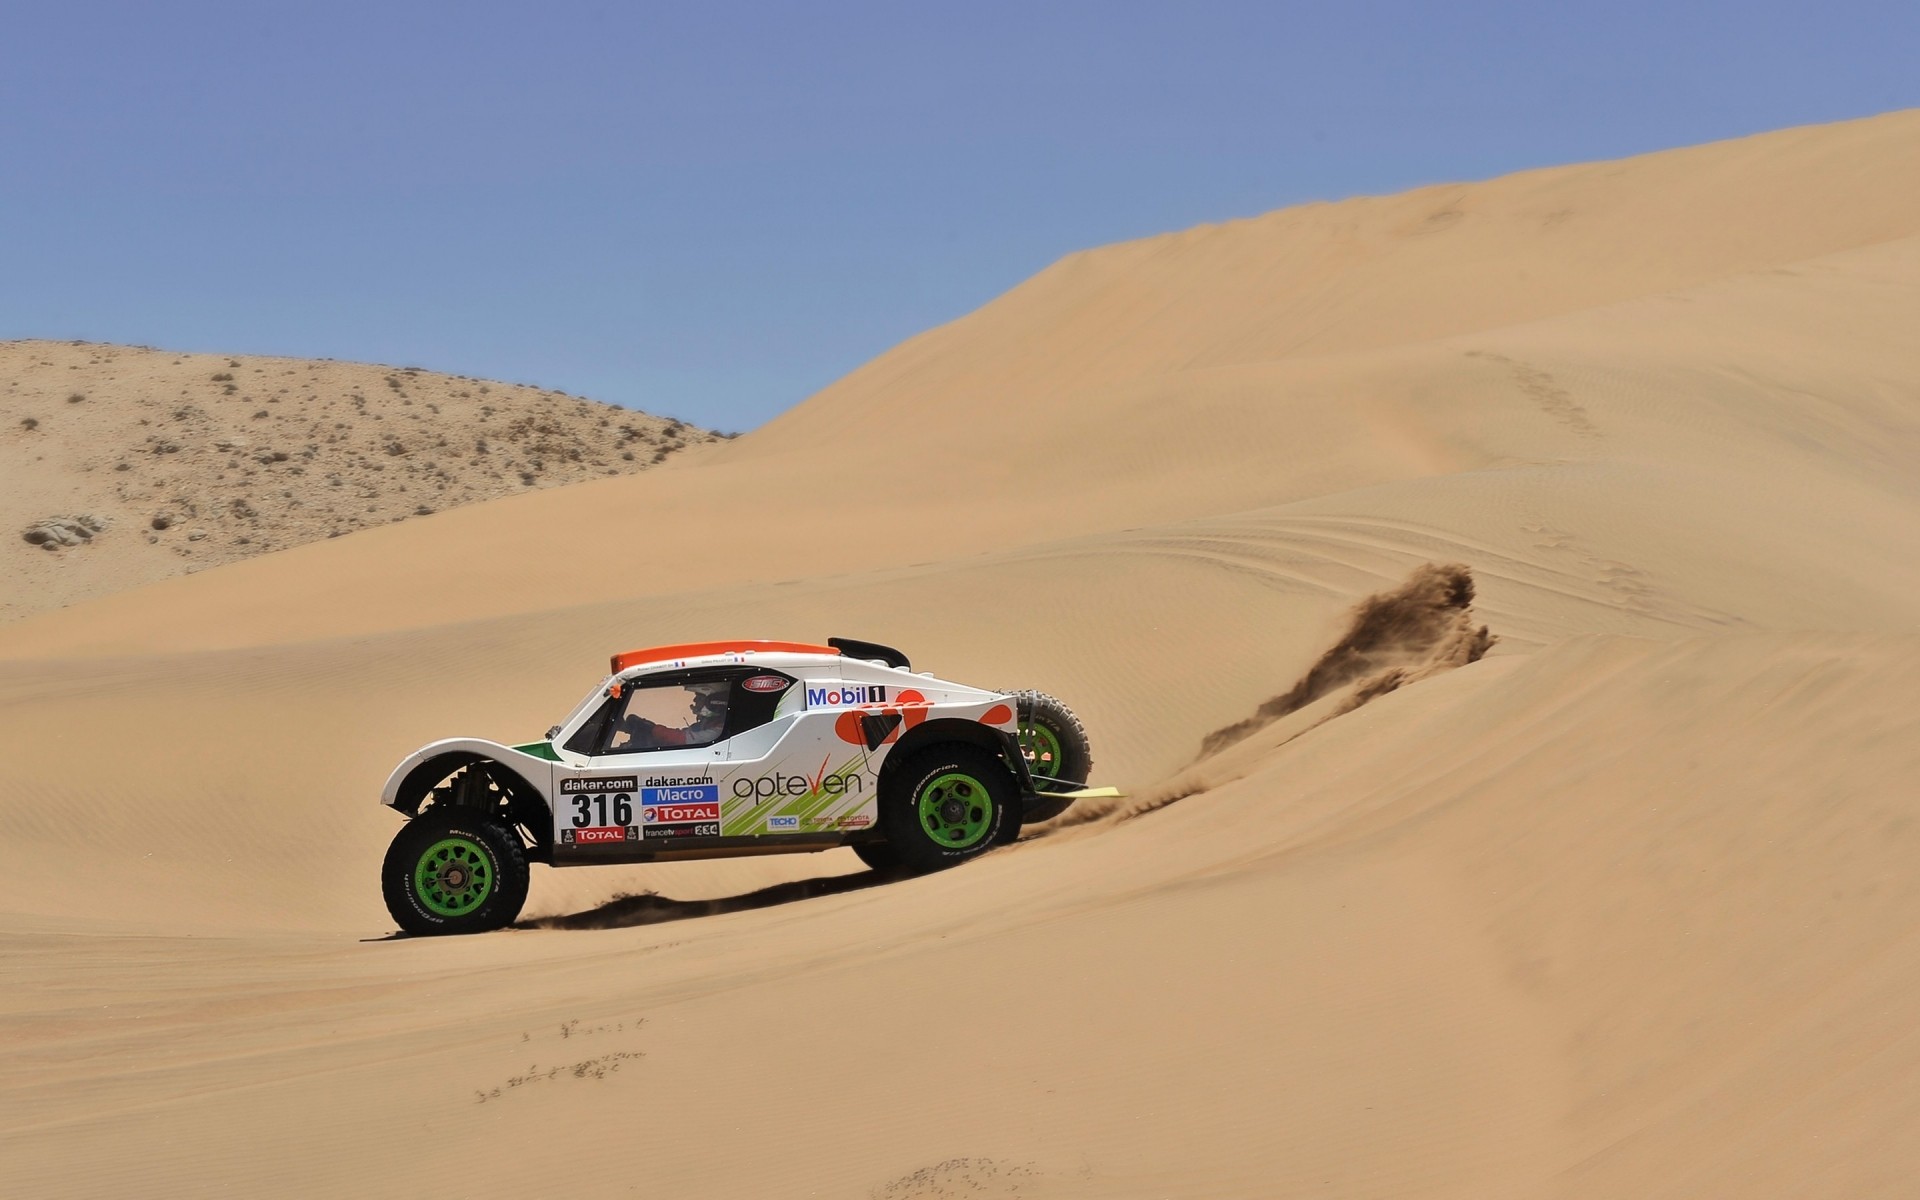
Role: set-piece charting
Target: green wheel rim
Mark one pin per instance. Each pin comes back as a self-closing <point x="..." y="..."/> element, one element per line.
<point x="454" y="877"/>
<point x="1041" y="748"/>
<point x="956" y="810"/>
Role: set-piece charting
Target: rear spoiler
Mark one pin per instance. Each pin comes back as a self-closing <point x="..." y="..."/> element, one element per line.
<point x="870" y="650"/>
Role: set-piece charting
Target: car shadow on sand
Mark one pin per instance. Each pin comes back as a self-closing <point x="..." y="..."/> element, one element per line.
<point x="649" y="908"/>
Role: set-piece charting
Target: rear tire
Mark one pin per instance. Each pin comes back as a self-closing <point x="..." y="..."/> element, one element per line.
<point x="948" y="803"/>
<point x="454" y="870"/>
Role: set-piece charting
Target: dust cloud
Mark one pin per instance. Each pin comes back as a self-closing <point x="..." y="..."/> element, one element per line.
<point x="1394" y="638"/>
<point x="1422" y="627"/>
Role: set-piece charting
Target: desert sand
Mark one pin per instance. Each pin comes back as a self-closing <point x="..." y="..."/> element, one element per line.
<point x="1624" y="907"/>
<point x="122" y="465"/>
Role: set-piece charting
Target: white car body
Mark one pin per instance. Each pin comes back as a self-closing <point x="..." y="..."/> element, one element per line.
<point x="804" y="776"/>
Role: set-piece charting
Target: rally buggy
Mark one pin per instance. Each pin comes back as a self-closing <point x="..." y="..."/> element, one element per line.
<point x="717" y="749"/>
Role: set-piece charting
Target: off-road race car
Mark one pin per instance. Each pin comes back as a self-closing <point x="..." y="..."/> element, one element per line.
<point x="717" y="749"/>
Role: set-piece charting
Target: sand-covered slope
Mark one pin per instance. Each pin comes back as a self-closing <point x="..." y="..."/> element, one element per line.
<point x="1281" y="360"/>
<point x="122" y="465"/>
<point x="1624" y="907"/>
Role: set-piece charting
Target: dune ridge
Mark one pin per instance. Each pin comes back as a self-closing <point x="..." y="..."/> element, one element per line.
<point x="1619" y="902"/>
<point x="125" y="464"/>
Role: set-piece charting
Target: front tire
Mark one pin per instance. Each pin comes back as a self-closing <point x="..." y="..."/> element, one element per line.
<point x="454" y="870"/>
<point x="947" y="804"/>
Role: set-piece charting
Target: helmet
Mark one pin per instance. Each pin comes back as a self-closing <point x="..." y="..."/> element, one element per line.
<point x="709" y="704"/>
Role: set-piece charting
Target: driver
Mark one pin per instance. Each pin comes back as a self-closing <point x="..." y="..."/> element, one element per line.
<point x="708" y="716"/>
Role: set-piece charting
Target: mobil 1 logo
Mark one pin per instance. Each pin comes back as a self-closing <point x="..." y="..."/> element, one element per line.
<point x="845" y="695"/>
<point x="597" y="810"/>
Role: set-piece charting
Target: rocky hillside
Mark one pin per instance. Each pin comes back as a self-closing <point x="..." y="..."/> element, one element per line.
<point x="123" y="465"/>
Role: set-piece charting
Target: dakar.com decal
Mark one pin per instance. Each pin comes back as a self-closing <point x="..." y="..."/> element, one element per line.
<point x="603" y="783"/>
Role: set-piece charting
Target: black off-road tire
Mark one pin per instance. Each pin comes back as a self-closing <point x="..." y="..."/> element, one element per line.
<point x="946" y="804"/>
<point x="1058" y="753"/>
<point x="1067" y="770"/>
<point x="476" y="878"/>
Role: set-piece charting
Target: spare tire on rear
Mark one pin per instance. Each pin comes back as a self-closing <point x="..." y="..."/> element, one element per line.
<point x="1054" y="743"/>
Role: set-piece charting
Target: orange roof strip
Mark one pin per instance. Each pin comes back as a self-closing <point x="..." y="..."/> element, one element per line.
<point x="635" y="658"/>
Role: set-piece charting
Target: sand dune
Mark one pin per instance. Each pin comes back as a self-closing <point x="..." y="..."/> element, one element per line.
<point x="1620" y="908"/>
<point x="1182" y="377"/>
<point x="125" y="464"/>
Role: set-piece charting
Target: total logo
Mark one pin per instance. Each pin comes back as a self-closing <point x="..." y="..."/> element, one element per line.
<point x="783" y="824"/>
<point x="668" y="814"/>
<point x="589" y="836"/>
<point x="845" y="695"/>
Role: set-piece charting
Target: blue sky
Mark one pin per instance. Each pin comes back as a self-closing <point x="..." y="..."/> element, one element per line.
<point x="713" y="209"/>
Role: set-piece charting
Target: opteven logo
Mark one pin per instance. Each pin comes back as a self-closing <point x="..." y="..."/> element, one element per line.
<point x="767" y="787"/>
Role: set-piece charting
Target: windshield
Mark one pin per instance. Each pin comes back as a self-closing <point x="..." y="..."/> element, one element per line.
<point x="592" y="698"/>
